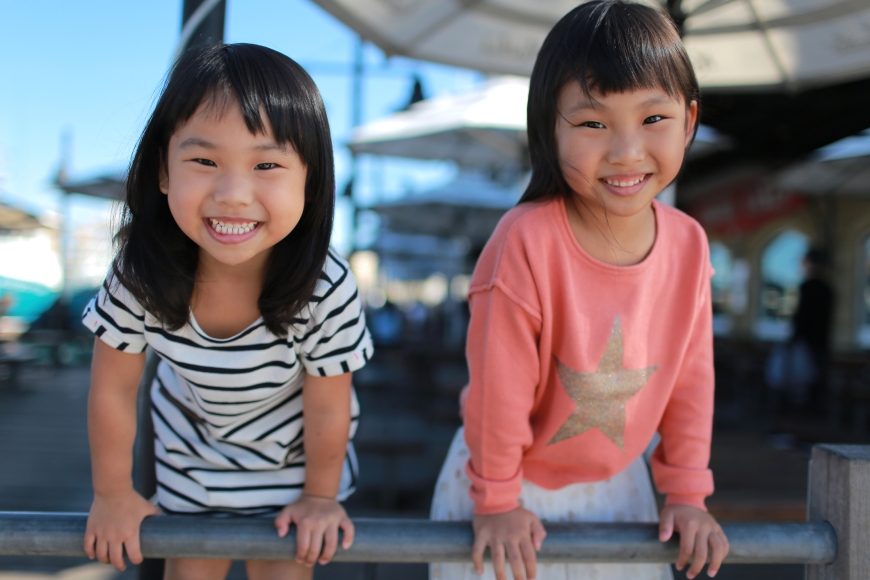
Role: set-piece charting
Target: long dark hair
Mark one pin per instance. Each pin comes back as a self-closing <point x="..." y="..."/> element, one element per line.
<point x="607" y="46"/>
<point x="155" y="260"/>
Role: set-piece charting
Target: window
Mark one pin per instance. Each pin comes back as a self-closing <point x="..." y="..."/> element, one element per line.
<point x="781" y="276"/>
<point x="722" y="262"/>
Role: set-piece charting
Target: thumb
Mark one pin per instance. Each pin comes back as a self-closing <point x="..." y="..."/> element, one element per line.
<point x="666" y="527"/>
<point x="282" y="524"/>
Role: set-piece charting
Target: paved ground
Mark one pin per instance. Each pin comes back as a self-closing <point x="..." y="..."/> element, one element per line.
<point x="44" y="466"/>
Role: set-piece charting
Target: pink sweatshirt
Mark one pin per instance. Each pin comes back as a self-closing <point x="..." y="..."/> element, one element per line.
<point x="575" y="363"/>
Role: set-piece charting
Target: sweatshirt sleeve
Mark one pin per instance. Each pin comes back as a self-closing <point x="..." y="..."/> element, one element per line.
<point x="503" y="365"/>
<point x="680" y="462"/>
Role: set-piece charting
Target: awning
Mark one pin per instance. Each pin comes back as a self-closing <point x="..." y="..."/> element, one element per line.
<point x="841" y="168"/>
<point x="12" y="218"/>
<point x="107" y="187"/>
<point x="734" y="44"/>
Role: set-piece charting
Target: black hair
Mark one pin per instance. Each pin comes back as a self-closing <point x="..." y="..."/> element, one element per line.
<point x="607" y="46"/>
<point x="155" y="260"/>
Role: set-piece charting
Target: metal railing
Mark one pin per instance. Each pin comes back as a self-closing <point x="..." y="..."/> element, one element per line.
<point x="833" y="543"/>
<point x="398" y="540"/>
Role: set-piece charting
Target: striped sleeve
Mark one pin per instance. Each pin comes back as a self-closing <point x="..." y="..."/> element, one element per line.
<point x="116" y="318"/>
<point x="334" y="338"/>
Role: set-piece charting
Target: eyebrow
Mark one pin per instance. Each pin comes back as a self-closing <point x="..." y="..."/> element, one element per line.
<point x="584" y="104"/>
<point x="199" y="142"/>
<point x="196" y="142"/>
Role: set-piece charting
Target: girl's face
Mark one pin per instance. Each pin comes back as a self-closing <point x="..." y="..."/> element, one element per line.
<point x="619" y="152"/>
<point x="233" y="193"/>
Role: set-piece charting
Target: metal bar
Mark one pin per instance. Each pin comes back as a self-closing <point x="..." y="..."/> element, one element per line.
<point x="394" y="540"/>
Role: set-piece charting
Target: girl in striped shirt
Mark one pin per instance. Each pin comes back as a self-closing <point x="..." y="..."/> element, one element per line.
<point x="224" y="270"/>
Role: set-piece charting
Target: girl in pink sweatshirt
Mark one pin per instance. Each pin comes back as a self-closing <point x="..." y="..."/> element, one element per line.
<point x="590" y="315"/>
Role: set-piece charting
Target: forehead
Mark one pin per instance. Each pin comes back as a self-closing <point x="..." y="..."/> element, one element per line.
<point x="571" y="99"/>
<point x="224" y="114"/>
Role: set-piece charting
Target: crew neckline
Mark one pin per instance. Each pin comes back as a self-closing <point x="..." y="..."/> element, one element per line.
<point x="198" y="329"/>
<point x="587" y="257"/>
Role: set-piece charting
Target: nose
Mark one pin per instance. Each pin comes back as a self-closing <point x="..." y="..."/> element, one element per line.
<point x="626" y="148"/>
<point x="233" y="190"/>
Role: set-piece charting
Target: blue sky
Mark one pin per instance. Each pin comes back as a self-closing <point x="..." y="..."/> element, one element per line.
<point x="91" y="68"/>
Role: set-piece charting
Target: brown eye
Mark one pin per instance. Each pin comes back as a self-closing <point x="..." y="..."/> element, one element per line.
<point x="266" y="165"/>
<point x="652" y="119"/>
<point x="206" y="162"/>
<point x="592" y="125"/>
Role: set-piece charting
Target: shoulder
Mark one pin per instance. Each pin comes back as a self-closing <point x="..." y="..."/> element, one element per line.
<point x="684" y="237"/>
<point x="681" y="226"/>
<point x="336" y="284"/>
<point x="523" y="233"/>
<point x="113" y="293"/>
<point x="336" y="273"/>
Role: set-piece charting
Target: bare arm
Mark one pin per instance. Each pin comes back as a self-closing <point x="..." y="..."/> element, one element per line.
<point x="117" y="511"/>
<point x="326" y="409"/>
<point x="317" y="514"/>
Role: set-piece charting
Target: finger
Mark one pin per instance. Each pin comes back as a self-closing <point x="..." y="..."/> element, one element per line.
<point x="349" y="532"/>
<point x="134" y="551"/>
<point x="316" y="546"/>
<point x="330" y="543"/>
<point x="303" y="543"/>
<point x="102" y="550"/>
<point x="699" y="558"/>
<point x="477" y="550"/>
<point x="666" y="527"/>
<point x="116" y="555"/>
<point x="687" y="545"/>
<point x="515" y="557"/>
<point x="719" y="549"/>
<point x="529" y="559"/>
<point x="539" y="533"/>
<point x="496" y="551"/>
<point x="89" y="541"/>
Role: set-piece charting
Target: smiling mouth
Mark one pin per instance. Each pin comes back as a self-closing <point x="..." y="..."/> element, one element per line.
<point x="237" y="228"/>
<point x="624" y="182"/>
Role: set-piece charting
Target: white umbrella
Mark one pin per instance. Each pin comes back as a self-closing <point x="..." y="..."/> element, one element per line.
<point x="841" y="168"/>
<point x="733" y="44"/>
<point x="484" y="127"/>
<point x="469" y="207"/>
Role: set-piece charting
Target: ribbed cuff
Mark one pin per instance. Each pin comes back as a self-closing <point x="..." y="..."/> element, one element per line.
<point x="494" y="496"/>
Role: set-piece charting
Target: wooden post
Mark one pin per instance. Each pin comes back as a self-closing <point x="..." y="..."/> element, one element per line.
<point x="839" y="493"/>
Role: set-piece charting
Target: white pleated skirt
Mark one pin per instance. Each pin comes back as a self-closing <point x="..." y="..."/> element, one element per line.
<point x="625" y="497"/>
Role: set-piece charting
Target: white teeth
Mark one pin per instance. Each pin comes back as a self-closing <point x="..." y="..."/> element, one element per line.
<point x="234" y="229"/>
<point x="623" y="183"/>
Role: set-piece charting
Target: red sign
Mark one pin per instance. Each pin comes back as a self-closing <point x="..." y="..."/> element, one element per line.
<point x="744" y="207"/>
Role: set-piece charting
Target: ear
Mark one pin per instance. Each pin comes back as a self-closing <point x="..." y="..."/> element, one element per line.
<point x="691" y="121"/>
<point x="163" y="178"/>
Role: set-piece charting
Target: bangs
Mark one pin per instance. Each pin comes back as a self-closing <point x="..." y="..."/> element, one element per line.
<point x="617" y="47"/>
<point x="261" y="82"/>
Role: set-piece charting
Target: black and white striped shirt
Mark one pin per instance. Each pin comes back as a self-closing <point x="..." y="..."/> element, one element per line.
<point x="228" y="412"/>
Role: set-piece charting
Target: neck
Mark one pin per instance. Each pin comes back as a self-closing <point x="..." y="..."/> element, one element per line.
<point x="210" y="271"/>
<point x="612" y="239"/>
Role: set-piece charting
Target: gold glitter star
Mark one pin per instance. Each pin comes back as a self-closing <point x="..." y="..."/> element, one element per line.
<point x="601" y="396"/>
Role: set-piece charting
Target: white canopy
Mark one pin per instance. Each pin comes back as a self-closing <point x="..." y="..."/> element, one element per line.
<point x="469" y="207"/>
<point x="484" y="127"/>
<point x="734" y="44"/>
